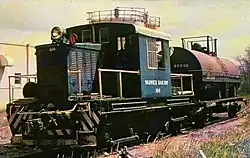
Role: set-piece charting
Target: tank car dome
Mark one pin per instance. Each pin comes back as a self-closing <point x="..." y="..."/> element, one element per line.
<point x="184" y="61"/>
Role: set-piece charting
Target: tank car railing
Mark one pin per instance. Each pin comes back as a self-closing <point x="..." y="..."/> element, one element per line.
<point x="180" y="76"/>
<point x="119" y="79"/>
<point x="12" y="86"/>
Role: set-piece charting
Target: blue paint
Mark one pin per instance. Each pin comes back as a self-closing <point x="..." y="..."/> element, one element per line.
<point x="149" y="91"/>
<point x="82" y="56"/>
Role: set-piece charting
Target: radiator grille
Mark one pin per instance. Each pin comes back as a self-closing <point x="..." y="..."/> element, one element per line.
<point x="84" y="60"/>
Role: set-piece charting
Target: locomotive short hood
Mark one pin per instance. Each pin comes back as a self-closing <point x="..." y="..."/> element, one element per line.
<point x="184" y="60"/>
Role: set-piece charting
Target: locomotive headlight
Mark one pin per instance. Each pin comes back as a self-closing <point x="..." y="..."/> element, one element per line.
<point x="57" y="33"/>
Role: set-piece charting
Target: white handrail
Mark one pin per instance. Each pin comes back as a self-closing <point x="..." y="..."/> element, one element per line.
<point x="175" y="75"/>
<point x="120" y="78"/>
<point x="12" y="88"/>
<point x="123" y="71"/>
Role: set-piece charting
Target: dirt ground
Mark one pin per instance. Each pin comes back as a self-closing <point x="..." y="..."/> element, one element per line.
<point x="5" y="133"/>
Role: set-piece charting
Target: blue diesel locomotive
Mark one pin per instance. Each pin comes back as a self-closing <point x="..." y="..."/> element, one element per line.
<point x="114" y="81"/>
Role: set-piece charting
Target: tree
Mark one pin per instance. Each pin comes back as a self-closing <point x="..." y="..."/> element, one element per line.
<point x="244" y="67"/>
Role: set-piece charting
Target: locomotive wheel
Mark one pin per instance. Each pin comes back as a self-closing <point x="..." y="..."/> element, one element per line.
<point x="172" y="128"/>
<point x="85" y="153"/>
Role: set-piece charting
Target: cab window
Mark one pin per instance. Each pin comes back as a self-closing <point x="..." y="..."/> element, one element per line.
<point x="103" y="35"/>
<point x="121" y="43"/>
<point x="155" y="53"/>
<point x="86" y="35"/>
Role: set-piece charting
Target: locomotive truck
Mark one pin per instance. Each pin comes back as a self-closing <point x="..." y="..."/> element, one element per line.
<point x="117" y="80"/>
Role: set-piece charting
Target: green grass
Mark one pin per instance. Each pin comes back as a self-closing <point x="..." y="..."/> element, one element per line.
<point x="234" y="144"/>
<point x="246" y="95"/>
<point x="228" y="145"/>
<point x="223" y="147"/>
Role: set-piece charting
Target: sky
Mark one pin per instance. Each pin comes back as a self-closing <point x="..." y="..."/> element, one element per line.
<point x="30" y="21"/>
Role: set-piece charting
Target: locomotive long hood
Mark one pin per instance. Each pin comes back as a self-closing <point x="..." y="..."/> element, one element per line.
<point x="195" y="61"/>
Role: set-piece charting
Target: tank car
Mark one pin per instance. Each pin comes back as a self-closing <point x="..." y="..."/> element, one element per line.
<point x="214" y="77"/>
<point x="107" y="83"/>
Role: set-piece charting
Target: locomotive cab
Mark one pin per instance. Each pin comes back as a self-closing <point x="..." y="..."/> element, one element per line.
<point x="118" y="57"/>
<point x="106" y="58"/>
<point x="119" y="51"/>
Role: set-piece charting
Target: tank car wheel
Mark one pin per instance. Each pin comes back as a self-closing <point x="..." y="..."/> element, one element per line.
<point x="208" y="116"/>
<point x="232" y="114"/>
<point x="199" y="121"/>
<point x="232" y="109"/>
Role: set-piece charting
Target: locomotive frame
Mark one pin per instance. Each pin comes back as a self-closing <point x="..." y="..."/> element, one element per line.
<point x="99" y="113"/>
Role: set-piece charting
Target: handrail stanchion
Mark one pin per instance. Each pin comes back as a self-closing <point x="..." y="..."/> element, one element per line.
<point x="100" y="82"/>
<point x="192" y="84"/>
<point x="120" y="83"/>
<point x="181" y="84"/>
<point x="9" y="90"/>
<point x="13" y="93"/>
<point x="80" y="83"/>
<point x="12" y="88"/>
<point x="180" y="78"/>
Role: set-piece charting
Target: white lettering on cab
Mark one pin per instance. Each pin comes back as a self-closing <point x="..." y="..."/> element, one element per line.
<point x="158" y="90"/>
<point x="52" y="49"/>
<point x="156" y="82"/>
